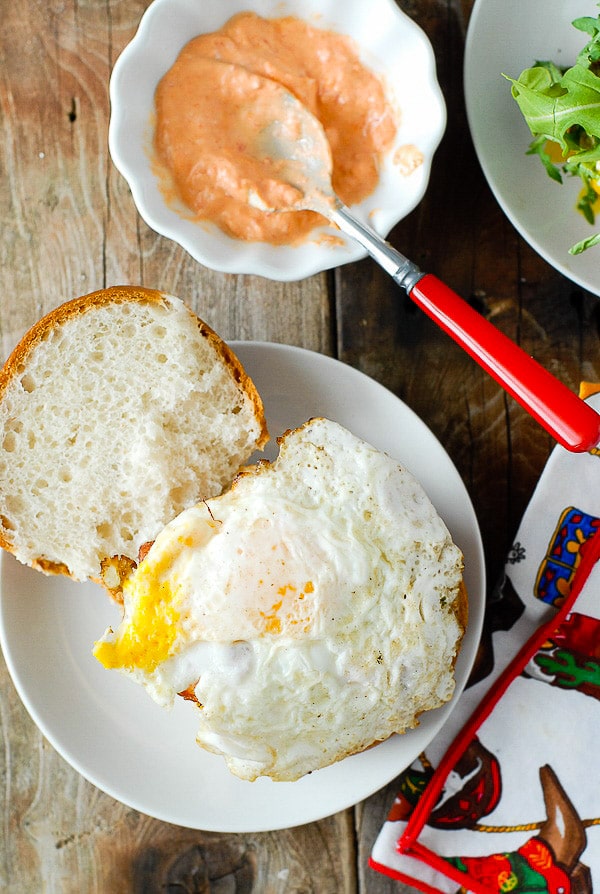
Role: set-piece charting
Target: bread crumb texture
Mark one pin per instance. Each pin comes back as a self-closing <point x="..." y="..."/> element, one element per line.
<point x="117" y="411"/>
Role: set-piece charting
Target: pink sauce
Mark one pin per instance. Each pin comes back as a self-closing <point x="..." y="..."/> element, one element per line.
<point x="204" y="127"/>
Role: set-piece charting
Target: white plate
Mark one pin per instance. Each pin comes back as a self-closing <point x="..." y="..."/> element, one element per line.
<point x="507" y="37"/>
<point x="109" y="729"/>
<point x="390" y="43"/>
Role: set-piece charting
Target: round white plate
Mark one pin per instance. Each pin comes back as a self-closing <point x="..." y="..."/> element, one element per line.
<point x="507" y="37"/>
<point x="110" y="730"/>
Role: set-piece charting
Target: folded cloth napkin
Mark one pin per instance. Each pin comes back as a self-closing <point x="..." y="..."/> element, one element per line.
<point x="507" y="797"/>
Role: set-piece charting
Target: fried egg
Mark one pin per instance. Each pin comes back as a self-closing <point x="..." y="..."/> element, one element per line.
<point x="313" y="609"/>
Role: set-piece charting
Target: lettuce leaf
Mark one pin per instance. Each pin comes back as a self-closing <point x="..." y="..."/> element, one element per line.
<point x="551" y="109"/>
<point x="562" y="106"/>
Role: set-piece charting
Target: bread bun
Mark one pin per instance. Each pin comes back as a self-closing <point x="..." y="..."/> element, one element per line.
<point x="118" y="410"/>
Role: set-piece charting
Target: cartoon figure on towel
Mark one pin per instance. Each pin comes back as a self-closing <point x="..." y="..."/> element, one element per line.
<point x="547" y="863"/>
<point x="571" y="658"/>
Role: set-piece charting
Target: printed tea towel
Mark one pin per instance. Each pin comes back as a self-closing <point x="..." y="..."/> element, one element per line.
<point x="507" y="797"/>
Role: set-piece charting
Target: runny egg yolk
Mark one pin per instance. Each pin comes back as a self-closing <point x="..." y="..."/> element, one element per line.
<point x="149" y="637"/>
<point x="274" y="604"/>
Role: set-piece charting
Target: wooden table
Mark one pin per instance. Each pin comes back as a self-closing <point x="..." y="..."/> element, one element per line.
<point x="69" y="226"/>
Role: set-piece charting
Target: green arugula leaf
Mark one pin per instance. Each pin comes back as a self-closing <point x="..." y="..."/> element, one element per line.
<point x="538" y="147"/>
<point x="551" y="109"/>
<point x="588" y="24"/>
<point x="584" y="244"/>
<point x="562" y="106"/>
<point x="586" y="202"/>
<point x="555" y="72"/>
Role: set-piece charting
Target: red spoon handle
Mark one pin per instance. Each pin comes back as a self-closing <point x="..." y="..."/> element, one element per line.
<point x="571" y="421"/>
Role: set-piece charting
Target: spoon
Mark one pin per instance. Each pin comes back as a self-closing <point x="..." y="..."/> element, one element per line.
<point x="293" y="142"/>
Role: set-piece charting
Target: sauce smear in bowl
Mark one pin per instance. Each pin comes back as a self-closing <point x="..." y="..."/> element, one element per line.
<point x="205" y="133"/>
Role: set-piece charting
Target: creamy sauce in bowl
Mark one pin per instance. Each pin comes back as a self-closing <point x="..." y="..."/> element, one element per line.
<point x="208" y="143"/>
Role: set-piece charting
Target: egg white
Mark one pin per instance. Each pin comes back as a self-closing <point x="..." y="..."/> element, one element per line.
<point x="309" y="611"/>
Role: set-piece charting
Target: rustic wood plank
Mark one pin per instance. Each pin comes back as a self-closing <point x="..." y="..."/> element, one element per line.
<point x="84" y="841"/>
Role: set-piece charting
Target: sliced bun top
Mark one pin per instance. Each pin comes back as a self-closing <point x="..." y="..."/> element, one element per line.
<point x="118" y="410"/>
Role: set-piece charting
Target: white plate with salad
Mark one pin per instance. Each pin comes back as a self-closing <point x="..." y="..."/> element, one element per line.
<point x="542" y="210"/>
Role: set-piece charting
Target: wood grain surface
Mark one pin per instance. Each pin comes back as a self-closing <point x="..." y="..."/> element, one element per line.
<point x="69" y="226"/>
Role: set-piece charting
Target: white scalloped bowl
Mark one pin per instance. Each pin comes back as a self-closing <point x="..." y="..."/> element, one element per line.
<point x="389" y="42"/>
